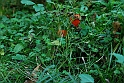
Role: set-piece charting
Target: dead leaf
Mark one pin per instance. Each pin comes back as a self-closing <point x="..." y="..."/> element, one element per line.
<point x="33" y="76"/>
<point x="35" y="71"/>
<point x="94" y="17"/>
<point x="116" y="27"/>
<point x="77" y="16"/>
<point x="29" y="81"/>
<point x="62" y="33"/>
<point x="56" y="42"/>
<point x="89" y="3"/>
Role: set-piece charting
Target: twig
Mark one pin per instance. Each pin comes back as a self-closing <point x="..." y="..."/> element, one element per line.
<point x="84" y="63"/>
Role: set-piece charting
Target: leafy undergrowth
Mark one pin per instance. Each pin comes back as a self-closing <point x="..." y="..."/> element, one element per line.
<point x="49" y="45"/>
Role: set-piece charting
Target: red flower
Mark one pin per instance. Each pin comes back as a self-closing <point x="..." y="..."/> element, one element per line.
<point x="76" y="22"/>
<point x="62" y="33"/>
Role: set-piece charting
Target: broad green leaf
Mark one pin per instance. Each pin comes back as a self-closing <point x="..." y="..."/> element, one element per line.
<point x="19" y="57"/>
<point x="27" y="2"/>
<point x="85" y="78"/>
<point x="38" y="7"/>
<point x="120" y="58"/>
<point x="18" y="48"/>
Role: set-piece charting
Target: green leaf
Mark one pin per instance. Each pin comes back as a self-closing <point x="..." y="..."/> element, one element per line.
<point x="2" y="52"/>
<point x="120" y="58"/>
<point x="19" y="57"/>
<point x="49" y="1"/>
<point x="4" y="19"/>
<point x="2" y="25"/>
<point x="31" y="54"/>
<point x="38" y="7"/>
<point x="95" y="72"/>
<point x="1" y="46"/>
<point x="55" y="42"/>
<point x="3" y="37"/>
<point x="84" y="32"/>
<point x="85" y="78"/>
<point x="27" y="2"/>
<point x="18" y="48"/>
<point x="94" y="49"/>
<point x="117" y="72"/>
<point x="83" y="8"/>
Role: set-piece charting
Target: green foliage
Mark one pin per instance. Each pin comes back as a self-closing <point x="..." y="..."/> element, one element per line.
<point x="27" y="2"/>
<point x="85" y="78"/>
<point x="49" y="1"/>
<point x="120" y="58"/>
<point x="38" y="7"/>
<point x="30" y="37"/>
<point x="18" y="48"/>
<point x="83" y="8"/>
<point x="19" y="57"/>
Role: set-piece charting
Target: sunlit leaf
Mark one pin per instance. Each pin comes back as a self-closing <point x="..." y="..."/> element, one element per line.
<point x="56" y="42"/>
<point x="85" y="78"/>
<point x="1" y="51"/>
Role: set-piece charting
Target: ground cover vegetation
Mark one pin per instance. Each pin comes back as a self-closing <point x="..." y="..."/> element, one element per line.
<point x="62" y="41"/>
